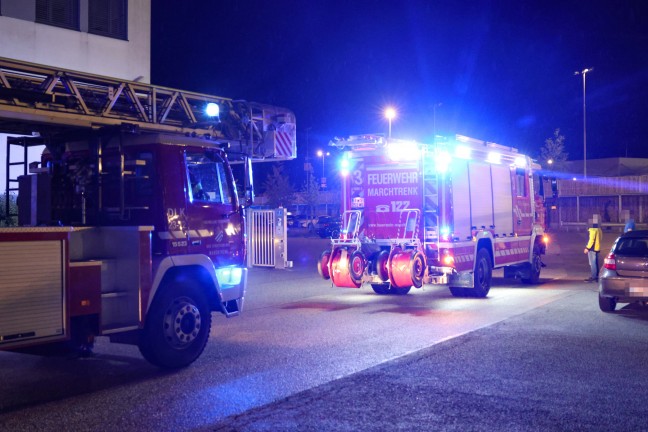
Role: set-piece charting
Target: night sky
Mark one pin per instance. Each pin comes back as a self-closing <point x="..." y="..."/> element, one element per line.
<point x="503" y="71"/>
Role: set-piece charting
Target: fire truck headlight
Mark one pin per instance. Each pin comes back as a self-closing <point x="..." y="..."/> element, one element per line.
<point x="230" y="230"/>
<point x="212" y="109"/>
<point x="229" y="275"/>
<point x="447" y="259"/>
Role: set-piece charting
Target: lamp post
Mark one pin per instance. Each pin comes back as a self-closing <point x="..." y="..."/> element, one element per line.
<point x="323" y="155"/>
<point x="584" y="73"/>
<point x="390" y="114"/>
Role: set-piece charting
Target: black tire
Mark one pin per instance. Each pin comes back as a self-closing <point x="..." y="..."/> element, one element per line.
<point x="607" y="304"/>
<point x="357" y="265"/>
<point x="381" y="265"/>
<point x="418" y="269"/>
<point x="482" y="275"/>
<point x="381" y="288"/>
<point x="400" y="291"/>
<point x="177" y="326"/>
<point x="459" y="292"/>
<point x="535" y="267"/>
<point x="322" y="264"/>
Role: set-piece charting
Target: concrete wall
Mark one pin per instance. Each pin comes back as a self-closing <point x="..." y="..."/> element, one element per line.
<point x="70" y="49"/>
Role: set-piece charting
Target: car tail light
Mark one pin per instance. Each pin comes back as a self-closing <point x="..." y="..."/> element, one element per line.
<point x="610" y="262"/>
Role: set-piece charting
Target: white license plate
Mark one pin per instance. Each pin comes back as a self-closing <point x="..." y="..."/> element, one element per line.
<point x="638" y="291"/>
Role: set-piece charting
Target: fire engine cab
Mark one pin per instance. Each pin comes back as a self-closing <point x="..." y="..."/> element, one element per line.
<point x="443" y="213"/>
<point x="132" y="223"/>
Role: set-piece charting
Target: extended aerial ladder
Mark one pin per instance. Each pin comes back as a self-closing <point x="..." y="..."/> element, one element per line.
<point x="45" y="102"/>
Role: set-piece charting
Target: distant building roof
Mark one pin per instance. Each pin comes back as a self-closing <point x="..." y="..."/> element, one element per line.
<point x="609" y="167"/>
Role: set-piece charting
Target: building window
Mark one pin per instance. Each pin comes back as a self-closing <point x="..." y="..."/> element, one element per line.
<point x="59" y="13"/>
<point x="108" y="18"/>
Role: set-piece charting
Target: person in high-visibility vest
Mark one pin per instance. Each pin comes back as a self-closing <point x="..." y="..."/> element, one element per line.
<point x="592" y="250"/>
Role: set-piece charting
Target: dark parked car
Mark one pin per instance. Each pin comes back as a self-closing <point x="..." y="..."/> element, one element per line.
<point x="327" y="226"/>
<point x="292" y="222"/>
<point x="624" y="277"/>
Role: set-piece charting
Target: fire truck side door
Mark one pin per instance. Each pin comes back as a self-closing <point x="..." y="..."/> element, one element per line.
<point x="213" y="224"/>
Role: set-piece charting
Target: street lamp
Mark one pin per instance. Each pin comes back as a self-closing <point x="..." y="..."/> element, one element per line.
<point x="583" y="73"/>
<point x="390" y="114"/>
<point x="323" y="155"/>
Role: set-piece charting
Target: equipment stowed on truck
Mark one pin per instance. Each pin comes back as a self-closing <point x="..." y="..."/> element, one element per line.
<point x="442" y="213"/>
<point x="132" y="223"/>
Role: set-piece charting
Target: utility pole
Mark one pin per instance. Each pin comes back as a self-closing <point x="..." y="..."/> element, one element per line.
<point x="583" y="73"/>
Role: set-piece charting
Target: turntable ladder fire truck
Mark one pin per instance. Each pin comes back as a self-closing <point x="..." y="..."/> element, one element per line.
<point x="442" y="213"/>
<point x="130" y="226"/>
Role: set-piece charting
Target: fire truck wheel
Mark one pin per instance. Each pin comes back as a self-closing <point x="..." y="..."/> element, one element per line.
<point x="381" y="266"/>
<point x="459" y="292"/>
<point x="381" y="288"/>
<point x="356" y="266"/>
<point x="322" y="264"/>
<point x="177" y="326"/>
<point x="400" y="291"/>
<point x="417" y="269"/>
<point x="534" y="268"/>
<point x="482" y="275"/>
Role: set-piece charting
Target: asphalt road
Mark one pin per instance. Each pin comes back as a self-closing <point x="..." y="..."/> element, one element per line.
<point x="305" y="356"/>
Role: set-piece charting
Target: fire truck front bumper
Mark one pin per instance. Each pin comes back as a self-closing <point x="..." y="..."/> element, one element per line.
<point x="438" y="275"/>
<point x="232" y="284"/>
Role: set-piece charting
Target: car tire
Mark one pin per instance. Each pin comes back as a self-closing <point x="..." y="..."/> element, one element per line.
<point x="607" y="304"/>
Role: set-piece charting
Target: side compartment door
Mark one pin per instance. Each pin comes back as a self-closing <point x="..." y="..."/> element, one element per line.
<point x="214" y="225"/>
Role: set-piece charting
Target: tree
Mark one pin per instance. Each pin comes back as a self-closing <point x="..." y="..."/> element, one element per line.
<point x="552" y="153"/>
<point x="12" y="208"/>
<point x="278" y="190"/>
<point x="310" y="192"/>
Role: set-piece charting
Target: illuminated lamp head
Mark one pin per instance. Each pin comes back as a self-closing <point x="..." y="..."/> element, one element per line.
<point x="442" y="161"/>
<point x="345" y="166"/>
<point x="463" y="152"/>
<point x="403" y="151"/>
<point x="520" y="162"/>
<point x="494" y="157"/>
<point x="212" y="109"/>
<point x="444" y="232"/>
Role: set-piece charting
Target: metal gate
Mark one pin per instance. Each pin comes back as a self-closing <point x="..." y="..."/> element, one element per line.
<point x="267" y="238"/>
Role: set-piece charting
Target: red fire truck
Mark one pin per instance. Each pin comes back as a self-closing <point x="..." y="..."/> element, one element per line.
<point x="131" y="225"/>
<point x="442" y="213"/>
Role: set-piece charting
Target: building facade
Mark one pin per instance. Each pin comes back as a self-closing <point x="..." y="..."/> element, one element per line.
<point x="102" y="37"/>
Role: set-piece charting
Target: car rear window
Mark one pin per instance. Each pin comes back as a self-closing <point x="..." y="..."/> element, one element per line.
<point x="635" y="247"/>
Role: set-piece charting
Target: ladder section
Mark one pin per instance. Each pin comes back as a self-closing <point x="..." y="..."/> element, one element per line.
<point x="59" y="99"/>
<point x="430" y="196"/>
